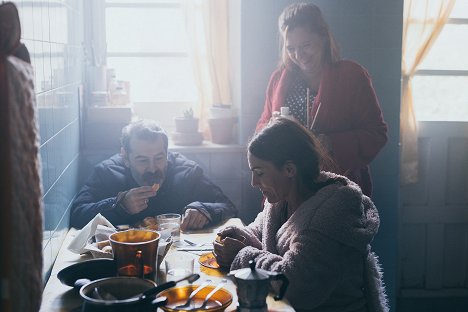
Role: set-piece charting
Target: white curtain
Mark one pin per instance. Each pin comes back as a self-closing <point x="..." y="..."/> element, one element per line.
<point x="423" y="21"/>
<point x="207" y="28"/>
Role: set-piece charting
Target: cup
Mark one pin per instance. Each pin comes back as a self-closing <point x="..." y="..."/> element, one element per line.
<point x="178" y="265"/>
<point x="170" y="222"/>
<point x="135" y="252"/>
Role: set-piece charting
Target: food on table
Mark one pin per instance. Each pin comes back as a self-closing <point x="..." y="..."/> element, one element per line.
<point x="148" y="223"/>
<point x="103" y="244"/>
<point x="107" y="249"/>
<point x="208" y="260"/>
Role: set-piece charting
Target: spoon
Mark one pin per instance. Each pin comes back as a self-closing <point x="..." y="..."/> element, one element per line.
<point x="152" y="291"/>
<point x="218" y="287"/>
<point x="189" y="300"/>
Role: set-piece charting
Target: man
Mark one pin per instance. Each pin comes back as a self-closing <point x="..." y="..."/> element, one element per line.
<point x="146" y="180"/>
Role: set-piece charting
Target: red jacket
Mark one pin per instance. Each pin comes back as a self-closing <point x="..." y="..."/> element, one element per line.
<point x="349" y="115"/>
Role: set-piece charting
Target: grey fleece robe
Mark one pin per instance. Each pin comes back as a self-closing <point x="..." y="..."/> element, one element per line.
<point x="323" y="249"/>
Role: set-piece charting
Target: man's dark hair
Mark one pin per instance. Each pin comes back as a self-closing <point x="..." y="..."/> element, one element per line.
<point x="142" y="129"/>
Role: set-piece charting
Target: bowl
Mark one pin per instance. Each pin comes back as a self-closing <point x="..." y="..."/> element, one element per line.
<point x="179" y="295"/>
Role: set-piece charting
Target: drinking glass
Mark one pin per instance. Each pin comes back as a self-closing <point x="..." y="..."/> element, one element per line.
<point x="135" y="252"/>
<point x="170" y="222"/>
<point x="178" y="265"/>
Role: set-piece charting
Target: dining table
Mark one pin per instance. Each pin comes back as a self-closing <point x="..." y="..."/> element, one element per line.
<point x="58" y="297"/>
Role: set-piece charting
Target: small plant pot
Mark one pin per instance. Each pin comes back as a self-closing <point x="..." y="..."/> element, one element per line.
<point x="186" y="125"/>
<point x="222" y="130"/>
<point x="221" y="112"/>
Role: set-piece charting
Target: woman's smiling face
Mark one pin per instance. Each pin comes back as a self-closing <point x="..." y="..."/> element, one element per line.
<point x="305" y="49"/>
<point x="274" y="184"/>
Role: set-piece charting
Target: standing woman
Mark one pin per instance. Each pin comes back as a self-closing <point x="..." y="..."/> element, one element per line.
<point x="333" y="97"/>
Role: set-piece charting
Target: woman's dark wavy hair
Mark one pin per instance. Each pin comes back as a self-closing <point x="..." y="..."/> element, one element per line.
<point x="142" y="129"/>
<point x="309" y="16"/>
<point x="284" y="140"/>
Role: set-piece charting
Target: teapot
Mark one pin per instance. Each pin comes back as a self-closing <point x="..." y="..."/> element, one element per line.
<point x="253" y="285"/>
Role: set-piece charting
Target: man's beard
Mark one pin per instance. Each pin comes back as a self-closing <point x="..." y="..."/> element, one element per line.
<point x="152" y="178"/>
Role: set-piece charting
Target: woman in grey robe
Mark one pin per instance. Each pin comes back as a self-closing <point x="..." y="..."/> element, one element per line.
<point x="316" y="227"/>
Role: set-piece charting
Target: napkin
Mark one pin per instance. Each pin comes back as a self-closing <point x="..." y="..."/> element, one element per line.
<point x="82" y="241"/>
<point x="98" y="230"/>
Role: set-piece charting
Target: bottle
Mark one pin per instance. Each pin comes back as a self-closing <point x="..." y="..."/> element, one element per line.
<point x="286" y="113"/>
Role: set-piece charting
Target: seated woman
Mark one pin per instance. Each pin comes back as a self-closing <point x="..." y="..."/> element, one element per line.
<point x="315" y="227"/>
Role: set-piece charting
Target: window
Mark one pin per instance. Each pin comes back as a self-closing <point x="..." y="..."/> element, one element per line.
<point x="147" y="46"/>
<point x="440" y="86"/>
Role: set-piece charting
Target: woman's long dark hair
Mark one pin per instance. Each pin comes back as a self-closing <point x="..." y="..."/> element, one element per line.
<point x="284" y="140"/>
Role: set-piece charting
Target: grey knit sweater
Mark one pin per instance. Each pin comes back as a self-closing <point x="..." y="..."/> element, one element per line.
<point x="323" y="248"/>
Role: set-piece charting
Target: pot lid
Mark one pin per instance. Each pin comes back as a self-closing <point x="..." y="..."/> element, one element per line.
<point x="252" y="273"/>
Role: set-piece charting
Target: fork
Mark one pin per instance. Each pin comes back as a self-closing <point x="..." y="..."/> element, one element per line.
<point x="189" y="300"/>
<point x="218" y="287"/>
<point x="195" y="244"/>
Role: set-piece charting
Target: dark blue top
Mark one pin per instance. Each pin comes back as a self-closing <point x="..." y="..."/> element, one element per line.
<point x="185" y="184"/>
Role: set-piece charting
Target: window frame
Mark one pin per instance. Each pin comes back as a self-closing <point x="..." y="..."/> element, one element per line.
<point x="161" y="110"/>
<point x="444" y="72"/>
<point x="102" y="36"/>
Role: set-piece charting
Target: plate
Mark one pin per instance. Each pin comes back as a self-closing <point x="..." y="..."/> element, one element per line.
<point x="179" y="295"/>
<point x="208" y="260"/>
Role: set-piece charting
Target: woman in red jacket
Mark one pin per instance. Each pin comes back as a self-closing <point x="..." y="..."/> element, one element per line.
<point x="332" y="97"/>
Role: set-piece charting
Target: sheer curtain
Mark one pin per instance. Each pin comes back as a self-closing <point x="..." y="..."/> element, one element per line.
<point x="207" y="30"/>
<point x="422" y="24"/>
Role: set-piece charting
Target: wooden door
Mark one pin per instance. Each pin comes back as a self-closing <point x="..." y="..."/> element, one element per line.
<point x="434" y="215"/>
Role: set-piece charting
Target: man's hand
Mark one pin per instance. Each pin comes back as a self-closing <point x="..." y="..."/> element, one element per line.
<point x="136" y="199"/>
<point x="193" y="220"/>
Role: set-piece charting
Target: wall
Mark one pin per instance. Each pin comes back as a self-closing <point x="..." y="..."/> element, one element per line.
<point x="52" y="32"/>
<point x="368" y="31"/>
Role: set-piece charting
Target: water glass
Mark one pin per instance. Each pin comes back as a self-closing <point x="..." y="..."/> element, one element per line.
<point x="178" y="265"/>
<point x="170" y="222"/>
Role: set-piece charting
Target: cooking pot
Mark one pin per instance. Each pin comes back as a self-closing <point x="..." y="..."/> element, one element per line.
<point x="119" y="294"/>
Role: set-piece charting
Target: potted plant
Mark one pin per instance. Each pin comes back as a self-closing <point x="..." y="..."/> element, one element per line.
<point x="186" y="123"/>
<point x="186" y="129"/>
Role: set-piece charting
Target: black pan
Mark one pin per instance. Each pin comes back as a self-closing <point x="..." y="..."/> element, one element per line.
<point x="89" y="270"/>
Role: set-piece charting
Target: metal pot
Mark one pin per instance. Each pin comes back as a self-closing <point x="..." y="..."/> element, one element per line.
<point x="118" y="294"/>
<point x="253" y="285"/>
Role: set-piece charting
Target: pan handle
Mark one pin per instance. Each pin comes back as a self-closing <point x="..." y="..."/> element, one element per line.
<point x="159" y="302"/>
<point x="155" y="290"/>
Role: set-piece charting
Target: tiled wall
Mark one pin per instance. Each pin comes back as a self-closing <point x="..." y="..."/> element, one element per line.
<point x="52" y="32"/>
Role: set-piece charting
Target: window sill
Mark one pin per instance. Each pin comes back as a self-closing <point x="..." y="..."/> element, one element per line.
<point x="206" y="147"/>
